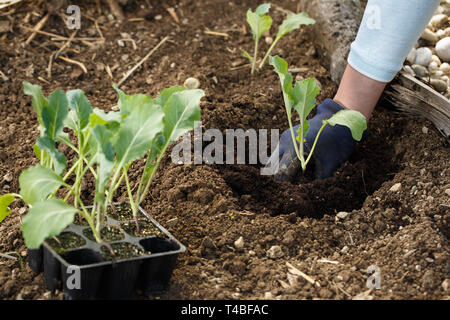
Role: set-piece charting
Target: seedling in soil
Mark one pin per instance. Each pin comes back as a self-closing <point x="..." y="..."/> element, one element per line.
<point x="302" y="98"/>
<point x="105" y="145"/>
<point x="259" y="23"/>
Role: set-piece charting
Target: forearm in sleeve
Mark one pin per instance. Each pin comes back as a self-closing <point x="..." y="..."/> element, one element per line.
<point x="387" y="33"/>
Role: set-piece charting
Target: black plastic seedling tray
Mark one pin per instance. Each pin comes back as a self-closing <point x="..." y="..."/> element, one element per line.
<point x="102" y="279"/>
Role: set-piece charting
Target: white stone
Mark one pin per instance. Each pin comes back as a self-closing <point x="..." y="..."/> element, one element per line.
<point x="423" y="56"/>
<point x="345" y="249"/>
<point x="429" y="36"/>
<point x="425" y="130"/>
<point x="342" y="215"/>
<point x="411" y="56"/>
<point x="275" y="252"/>
<point x="438" y="20"/>
<point x="409" y="70"/>
<point x="419" y="70"/>
<point x="396" y="187"/>
<point x="439" y="85"/>
<point x="443" y="49"/>
<point x="445" y="68"/>
<point x="239" y="243"/>
<point x="191" y="83"/>
<point x="435" y="58"/>
<point x="433" y="66"/>
<point x="447" y="192"/>
<point x="268" y="40"/>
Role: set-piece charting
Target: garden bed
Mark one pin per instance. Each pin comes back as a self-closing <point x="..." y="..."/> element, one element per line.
<point x="395" y="190"/>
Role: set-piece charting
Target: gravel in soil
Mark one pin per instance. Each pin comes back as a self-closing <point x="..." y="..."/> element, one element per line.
<point x="388" y="206"/>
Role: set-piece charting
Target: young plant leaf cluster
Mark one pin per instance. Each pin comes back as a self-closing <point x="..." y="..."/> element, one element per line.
<point x="105" y="144"/>
<point x="260" y="22"/>
<point x="301" y="97"/>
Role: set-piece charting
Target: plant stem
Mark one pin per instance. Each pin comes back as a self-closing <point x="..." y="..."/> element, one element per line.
<point x="294" y="141"/>
<point x="268" y="52"/>
<point x="315" y="142"/>
<point x="255" y="56"/>
<point x="132" y="202"/>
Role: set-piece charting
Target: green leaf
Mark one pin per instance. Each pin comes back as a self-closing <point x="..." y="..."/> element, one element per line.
<point x="294" y="21"/>
<point x="37" y="182"/>
<point x="137" y="132"/>
<point x="111" y="120"/>
<point x="46" y="219"/>
<point x="281" y="67"/>
<point x="166" y="94"/>
<point x="258" y="23"/>
<point x="127" y="103"/>
<point x="352" y="119"/>
<point x="248" y="56"/>
<point x="48" y="145"/>
<point x="55" y="114"/>
<point x="39" y="101"/>
<point x="304" y="96"/>
<point x="5" y="201"/>
<point x="71" y="121"/>
<point x="37" y="151"/>
<point x="83" y="108"/>
<point x="263" y="9"/>
<point x="180" y="113"/>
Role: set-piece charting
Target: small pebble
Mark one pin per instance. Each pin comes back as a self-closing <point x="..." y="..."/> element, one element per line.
<point x="396" y="187"/>
<point x="345" y="249"/>
<point x="191" y="83"/>
<point x="275" y="252"/>
<point x="342" y="215"/>
<point x="423" y="56"/>
<point x="439" y="85"/>
<point x="239" y="243"/>
<point x="419" y="70"/>
<point x="443" y="49"/>
<point x="438" y="20"/>
<point x="429" y="36"/>
<point x="425" y="130"/>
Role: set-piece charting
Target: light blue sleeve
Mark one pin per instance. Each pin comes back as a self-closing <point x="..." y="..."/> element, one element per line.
<point x="387" y="33"/>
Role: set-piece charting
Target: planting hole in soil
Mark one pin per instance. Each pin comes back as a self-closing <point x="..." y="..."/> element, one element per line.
<point x="83" y="257"/>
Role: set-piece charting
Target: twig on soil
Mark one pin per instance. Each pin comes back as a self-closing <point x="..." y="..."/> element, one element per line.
<point x="241" y="67"/>
<point x="130" y="40"/>
<point x="214" y="33"/>
<point x="65" y="45"/>
<point x="4" y="4"/>
<point x="80" y="64"/>
<point x="281" y="9"/>
<point x="328" y="261"/>
<point x="173" y="14"/>
<point x="57" y="37"/>
<point x="341" y="289"/>
<point x="8" y="256"/>
<point x="43" y="80"/>
<point x="37" y="28"/>
<point x="109" y="72"/>
<point x="4" y="78"/>
<point x="364" y="182"/>
<point x="297" y="272"/>
<point x="129" y="73"/>
<point x="115" y="9"/>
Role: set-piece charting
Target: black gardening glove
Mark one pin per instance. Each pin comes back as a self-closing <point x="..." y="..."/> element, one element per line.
<point x="334" y="147"/>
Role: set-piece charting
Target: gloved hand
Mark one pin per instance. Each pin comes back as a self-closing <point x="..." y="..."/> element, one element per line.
<point x="334" y="147"/>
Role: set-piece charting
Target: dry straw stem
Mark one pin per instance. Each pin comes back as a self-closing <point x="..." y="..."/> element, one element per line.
<point x="297" y="272"/>
<point x="80" y="64"/>
<point x="38" y="27"/>
<point x="129" y="73"/>
<point x="7" y="3"/>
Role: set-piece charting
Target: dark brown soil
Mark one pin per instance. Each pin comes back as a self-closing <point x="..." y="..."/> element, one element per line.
<point x="121" y="212"/>
<point x="108" y="233"/>
<point x="122" y="250"/>
<point x="145" y="229"/>
<point x="404" y="233"/>
<point x="66" y="240"/>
